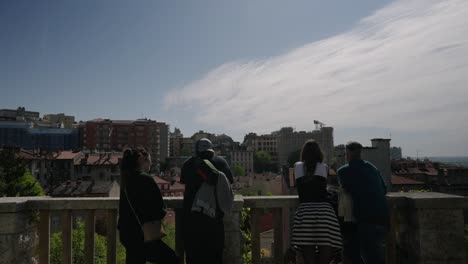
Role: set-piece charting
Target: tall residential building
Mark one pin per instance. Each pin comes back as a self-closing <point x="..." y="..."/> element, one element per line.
<point x="107" y="135"/>
<point x="395" y="153"/>
<point x="175" y="143"/>
<point x="379" y="155"/>
<point x="163" y="140"/>
<point x="289" y="141"/>
<point x="61" y="118"/>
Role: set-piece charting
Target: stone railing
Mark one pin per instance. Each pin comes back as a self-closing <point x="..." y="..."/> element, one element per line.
<point x="426" y="227"/>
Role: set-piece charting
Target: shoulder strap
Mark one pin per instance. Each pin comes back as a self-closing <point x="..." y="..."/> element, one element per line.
<point x="133" y="210"/>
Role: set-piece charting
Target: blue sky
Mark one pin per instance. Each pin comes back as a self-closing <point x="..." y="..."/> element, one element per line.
<point x="241" y="66"/>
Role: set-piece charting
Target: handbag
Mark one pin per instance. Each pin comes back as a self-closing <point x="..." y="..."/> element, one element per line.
<point x="152" y="230"/>
<point x="345" y="206"/>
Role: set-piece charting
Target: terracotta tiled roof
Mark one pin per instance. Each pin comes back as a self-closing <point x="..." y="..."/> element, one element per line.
<point x="83" y="188"/>
<point x="27" y="155"/>
<point x="67" y="155"/>
<point x="104" y="159"/>
<point x="398" y="180"/>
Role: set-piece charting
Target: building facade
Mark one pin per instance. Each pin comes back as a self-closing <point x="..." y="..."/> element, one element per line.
<point x="26" y="136"/>
<point x="267" y="143"/>
<point x="289" y="141"/>
<point x="20" y="114"/>
<point x="242" y="157"/>
<point x="379" y="155"/>
<point x="395" y="153"/>
<point x="115" y="135"/>
<point x="61" y="118"/>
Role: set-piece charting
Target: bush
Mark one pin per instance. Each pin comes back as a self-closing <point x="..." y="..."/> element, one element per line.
<point x="78" y="239"/>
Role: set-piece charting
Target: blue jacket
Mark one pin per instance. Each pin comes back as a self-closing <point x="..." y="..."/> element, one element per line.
<point x="363" y="182"/>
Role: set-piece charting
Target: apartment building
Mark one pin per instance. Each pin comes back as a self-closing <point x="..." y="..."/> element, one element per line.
<point x="108" y="135"/>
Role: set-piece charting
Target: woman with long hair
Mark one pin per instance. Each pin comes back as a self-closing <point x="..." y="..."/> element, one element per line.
<point x="140" y="203"/>
<point x="316" y="231"/>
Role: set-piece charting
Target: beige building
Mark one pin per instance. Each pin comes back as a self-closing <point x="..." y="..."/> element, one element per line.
<point x="243" y="158"/>
<point x="61" y="118"/>
<point x="267" y="143"/>
<point x="289" y="141"/>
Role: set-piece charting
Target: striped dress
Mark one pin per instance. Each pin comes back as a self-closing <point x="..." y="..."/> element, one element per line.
<point x="315" y="221"/>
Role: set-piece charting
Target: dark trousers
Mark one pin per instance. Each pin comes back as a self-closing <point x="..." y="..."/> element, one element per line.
<point x="200" y="256"/>
<point x="363" y="243"/>
<point x="154" y="252"/>
<point x="203" y="239"/>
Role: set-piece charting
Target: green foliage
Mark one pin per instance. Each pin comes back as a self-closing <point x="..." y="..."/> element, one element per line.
<point x="293" y="157"/>
<point x="238" y="170"/>
<point x="169" y="239"/>
<point x="15" y="179"/>
<point x="262" y="161"/>
<point x="78" y="239"/>
<point x="28" y="186"/>
<point x="246" y="233"/>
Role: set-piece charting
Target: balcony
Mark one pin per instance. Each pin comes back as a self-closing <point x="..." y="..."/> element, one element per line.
<point x="426" y="227"/>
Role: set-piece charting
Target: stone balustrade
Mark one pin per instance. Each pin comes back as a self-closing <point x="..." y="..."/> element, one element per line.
<point x="426" y="227"/>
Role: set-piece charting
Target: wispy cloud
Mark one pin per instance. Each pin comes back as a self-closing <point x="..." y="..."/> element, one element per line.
<point x="405" y="67"/>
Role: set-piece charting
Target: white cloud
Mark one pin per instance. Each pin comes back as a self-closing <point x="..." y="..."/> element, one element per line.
<point x="405" y="68"/>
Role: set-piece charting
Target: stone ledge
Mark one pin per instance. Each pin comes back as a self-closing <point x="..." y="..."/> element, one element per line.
<point x="431" y="200"/>
<point x="279" y="201"/>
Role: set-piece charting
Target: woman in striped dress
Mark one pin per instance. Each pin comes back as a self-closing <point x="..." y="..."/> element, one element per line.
<point x="316" y="232"/>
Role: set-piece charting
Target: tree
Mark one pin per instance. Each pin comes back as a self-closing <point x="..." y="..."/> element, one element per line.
<point x="293" y="157"/>
<point x="15" y="179"/>
<point x="262" y="161"/>
<point x="238" y="170"/>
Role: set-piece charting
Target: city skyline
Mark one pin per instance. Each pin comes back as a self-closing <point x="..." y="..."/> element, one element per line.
<point x="393" y="69"/>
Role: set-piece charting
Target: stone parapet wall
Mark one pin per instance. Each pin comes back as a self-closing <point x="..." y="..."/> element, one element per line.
<point x="426" y="228"/>
<point x="18" y="232"/>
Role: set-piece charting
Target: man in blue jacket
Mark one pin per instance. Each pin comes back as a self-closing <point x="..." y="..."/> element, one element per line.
<point x="363" y="182"/>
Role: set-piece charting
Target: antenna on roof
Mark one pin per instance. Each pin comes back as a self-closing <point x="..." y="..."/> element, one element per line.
<point x="318" y="124"/>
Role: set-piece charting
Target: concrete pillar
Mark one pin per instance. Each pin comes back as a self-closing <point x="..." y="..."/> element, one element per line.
<point x="18" y="236"/>
<point x="232" y="243"/>
<point x="426" y="228"/>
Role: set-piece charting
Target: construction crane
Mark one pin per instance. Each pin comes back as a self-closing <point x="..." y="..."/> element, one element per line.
<point x="318" y="124"/>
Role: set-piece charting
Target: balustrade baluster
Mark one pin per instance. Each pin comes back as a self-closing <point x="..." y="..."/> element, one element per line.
<point x="111" y="236"/>
<point x="67" y="236"/>
<point x="89" y="236"/>
<point x="255" y="234"/>
<point x="278" y="235"/>
<point x="44" y="236"/>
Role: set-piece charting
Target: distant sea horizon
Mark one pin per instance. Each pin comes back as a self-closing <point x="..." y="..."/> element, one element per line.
<point x="453" y="160"/>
